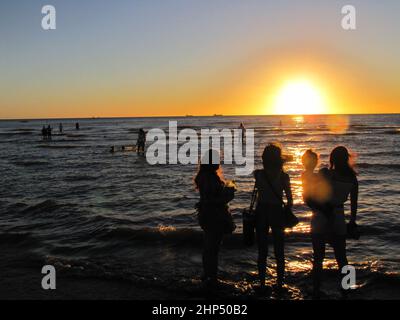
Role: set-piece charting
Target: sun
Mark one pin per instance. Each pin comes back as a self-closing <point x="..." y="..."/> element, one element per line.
<point x="299" y="97"/>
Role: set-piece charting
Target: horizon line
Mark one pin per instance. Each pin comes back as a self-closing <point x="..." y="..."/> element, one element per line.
<point x="197" y="116"/>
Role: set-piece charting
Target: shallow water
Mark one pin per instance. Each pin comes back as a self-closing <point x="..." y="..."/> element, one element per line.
<point x="72" y="202"/>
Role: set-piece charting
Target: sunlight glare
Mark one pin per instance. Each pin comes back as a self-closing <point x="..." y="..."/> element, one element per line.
<point x="298" y="98"/>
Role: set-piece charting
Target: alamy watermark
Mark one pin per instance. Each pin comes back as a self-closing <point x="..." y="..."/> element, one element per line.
<point x="187" y="147"/>
<point x="49" y="280"/>
<point x="348" y="21"/>
<point x="349" y="280"/>
<point x="49" y="19"/>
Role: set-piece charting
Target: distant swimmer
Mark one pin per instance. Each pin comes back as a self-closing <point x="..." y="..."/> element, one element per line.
<point x="44" y="133"/>
<point x="49" y="129"/>
<point x="77" y="126"/>
<point x="60" y="127"/>
<point x="141" y="141"/>
<point x="243" y="132"/>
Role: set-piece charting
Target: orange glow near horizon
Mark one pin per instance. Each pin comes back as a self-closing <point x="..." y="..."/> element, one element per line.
<point x="273" y="87"/>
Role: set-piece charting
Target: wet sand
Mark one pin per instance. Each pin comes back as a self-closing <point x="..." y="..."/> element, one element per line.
<point x="22" y="281"/>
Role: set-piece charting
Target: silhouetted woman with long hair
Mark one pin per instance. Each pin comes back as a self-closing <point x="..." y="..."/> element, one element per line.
<point x="214" y="215"/>
<point x="271" y="183"/>
<point x="330" y="225"/>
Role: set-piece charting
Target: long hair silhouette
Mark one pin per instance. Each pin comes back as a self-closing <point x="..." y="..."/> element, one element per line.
<point x="340" y="161"/>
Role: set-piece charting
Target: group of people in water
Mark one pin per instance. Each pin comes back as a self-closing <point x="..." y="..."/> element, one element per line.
<point x="324" y="191"/>
<point x="47" y="131"/>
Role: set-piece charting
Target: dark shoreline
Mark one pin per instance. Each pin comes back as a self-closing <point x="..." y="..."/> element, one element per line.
<point x="21" y="280"/>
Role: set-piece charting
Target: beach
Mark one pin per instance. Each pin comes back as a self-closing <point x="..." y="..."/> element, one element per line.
<point x="116" y="227"/>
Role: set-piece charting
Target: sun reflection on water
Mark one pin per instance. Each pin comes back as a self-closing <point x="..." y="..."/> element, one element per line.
<point x="299" y="265"/>
<point x="295" y="167"/>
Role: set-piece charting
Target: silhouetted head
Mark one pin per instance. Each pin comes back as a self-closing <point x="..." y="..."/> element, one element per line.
<point x="340" y="161"/>
<point x="272" y="158"/>
<point x="209" y="164"/>
<point x="309" y="159"/>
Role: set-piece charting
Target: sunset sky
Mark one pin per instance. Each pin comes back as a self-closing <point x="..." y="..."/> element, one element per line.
<point x="176" y="57"/>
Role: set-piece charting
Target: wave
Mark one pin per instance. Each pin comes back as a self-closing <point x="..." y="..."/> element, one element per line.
<point x="80" y="178"/>
<point x="31" y="163"/>
<point x="193" y="236"/>
<point x="16" y="133"/>
<point x="396" y="131"/>
<point x="76" y="135"/>
<point x="368" y="127"/>
<point x="22" y="239"/>
<point x="381" y="153"/>
<point x="170" y="234"/>
<point x="69" y="140"/>
<point x="58" y="146"/>
<point x="46" y="206"/>
<point x="181" y="236"/>
<point x="364" y="165"/>
<point x="297" y="134"/>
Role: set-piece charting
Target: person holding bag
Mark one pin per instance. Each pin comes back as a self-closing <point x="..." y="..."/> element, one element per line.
<point x="213" y="212"/>
<point x="271" y="182"/>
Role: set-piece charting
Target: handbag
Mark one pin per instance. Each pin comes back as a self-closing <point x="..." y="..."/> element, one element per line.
<point x="228" y="224"/>
<point x="249" y="217"/>
<point x="289" y="219"/>
<point x="215" y="218"/>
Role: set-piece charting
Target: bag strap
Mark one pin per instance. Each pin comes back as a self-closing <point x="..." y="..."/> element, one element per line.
<point x="273" y="190"/>
<point x="253" y="198"/>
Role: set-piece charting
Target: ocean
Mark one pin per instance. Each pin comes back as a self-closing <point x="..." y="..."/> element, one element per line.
<point x="115" y="226"/>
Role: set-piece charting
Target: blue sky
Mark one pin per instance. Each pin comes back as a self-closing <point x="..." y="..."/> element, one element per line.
<point x="139" y="52"/>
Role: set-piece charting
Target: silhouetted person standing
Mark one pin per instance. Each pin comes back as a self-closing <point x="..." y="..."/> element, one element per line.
<point x="44" y="133"/>
<point x="271" y="183"/>
<point x="214" y="215"/>
<point x="243" y="132"/>
<point x="49" y="130"/>
<point x="60" y="127"/>
<point x="328" y="225"/>
<point x="141" y="141"/>
<point x="77" y="126"/>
